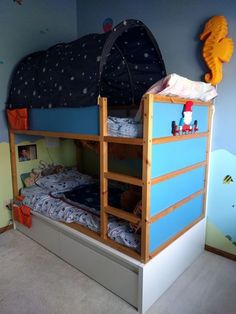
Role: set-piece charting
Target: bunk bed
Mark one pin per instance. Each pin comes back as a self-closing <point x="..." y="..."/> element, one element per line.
<point x="173" y="179"/>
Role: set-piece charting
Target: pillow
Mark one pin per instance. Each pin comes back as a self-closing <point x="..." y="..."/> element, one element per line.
<point x="64" y="181"/>
<point x="28" y="178"/>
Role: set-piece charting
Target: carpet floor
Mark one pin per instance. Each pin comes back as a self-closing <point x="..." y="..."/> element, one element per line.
<point x="35" y="281"/>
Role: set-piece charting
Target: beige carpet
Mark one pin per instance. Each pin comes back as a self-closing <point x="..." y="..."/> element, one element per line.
<point x="34" y="281"/>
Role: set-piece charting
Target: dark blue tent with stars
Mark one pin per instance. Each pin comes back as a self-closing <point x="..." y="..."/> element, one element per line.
<point x="120" y="65"/>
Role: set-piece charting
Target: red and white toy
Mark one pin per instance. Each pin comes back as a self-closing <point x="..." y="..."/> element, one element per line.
<point x="185" y="125"/>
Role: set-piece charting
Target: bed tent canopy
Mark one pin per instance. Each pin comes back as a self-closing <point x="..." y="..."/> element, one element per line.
<point x="120" y="65"/>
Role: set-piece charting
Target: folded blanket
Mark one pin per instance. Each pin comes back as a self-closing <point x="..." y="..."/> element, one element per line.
<point x="124" y="127"/>
<point x="178" y="86"/>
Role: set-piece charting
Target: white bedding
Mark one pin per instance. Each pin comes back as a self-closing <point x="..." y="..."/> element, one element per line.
<point x="178" y="86"/>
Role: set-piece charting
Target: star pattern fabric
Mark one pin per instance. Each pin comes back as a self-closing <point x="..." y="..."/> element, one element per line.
<point x="120" y="65"/>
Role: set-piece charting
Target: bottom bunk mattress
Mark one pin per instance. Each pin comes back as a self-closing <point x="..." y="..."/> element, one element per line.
<point x="59" y="199"/>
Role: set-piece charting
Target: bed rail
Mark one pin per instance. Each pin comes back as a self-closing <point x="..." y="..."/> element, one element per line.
<point x="149" y="181"/>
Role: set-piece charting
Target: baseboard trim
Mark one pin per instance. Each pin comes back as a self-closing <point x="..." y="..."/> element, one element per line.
<point x="220" y="252"/>
<point x="4" y="229"/>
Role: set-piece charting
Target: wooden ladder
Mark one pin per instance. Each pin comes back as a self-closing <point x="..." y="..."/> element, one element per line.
<point x="144" y="182"/>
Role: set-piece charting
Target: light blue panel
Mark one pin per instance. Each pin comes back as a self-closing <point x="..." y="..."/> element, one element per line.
<point x="171" y="191"/>
<point x="172" y="156"/>
<point x="84" y="120"/>
<point x="165" y="113"/>
<point x="167" y="227"/>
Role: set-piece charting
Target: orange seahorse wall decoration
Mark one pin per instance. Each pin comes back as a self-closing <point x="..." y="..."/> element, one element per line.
<point x="217" y="47"/>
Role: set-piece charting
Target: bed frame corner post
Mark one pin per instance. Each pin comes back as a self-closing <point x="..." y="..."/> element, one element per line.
<point x="208" y="151"/>
<point x="103" y="165"/>
<point x="146" y="173"/>
<point x="13" y="162"/>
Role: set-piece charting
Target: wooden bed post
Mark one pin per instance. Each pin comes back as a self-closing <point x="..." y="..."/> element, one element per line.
<point x="146" y="174"/>
<point x="13" y="162"/>
<point x="103" y="166"/>
<point x="208" y="148"/>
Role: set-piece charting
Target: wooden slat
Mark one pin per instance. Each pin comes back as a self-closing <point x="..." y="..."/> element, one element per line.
<point x="124" y="140"/>
<point x="75" y="136"/>
<point x="121" y="248"/>
<point x="177" y="172"/>
<point x="103" y="166"/>
<point x="168" y="139"/>
<point x="179" y="100"/>
<point x="13" y="163"/>
<point x="122" y="214"/>
<point x="210" y="114"/>
<point x="146" y="175"/>
<point x="171" y="240"/>
<point x="175" y="206"/>
<point x="123" y="178"/>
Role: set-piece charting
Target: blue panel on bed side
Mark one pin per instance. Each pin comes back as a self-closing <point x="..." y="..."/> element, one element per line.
<point x="169" y="192"/>
<point x="171" y="156"/>
<point x="84" y="120"/>
<point x="165" y="113"/>
<point x="167" y="227"/>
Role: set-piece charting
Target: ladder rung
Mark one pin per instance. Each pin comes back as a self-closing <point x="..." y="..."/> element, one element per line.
<point x="123" y="140"/>
<point x="123" y="178"/>
<point x="122" y="214"/>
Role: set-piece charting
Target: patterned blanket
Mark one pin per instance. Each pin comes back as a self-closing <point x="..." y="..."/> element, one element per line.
<point x="81" y="204"/>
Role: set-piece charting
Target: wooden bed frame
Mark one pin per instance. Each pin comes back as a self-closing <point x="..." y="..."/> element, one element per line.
<point x="143" y="279"/>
